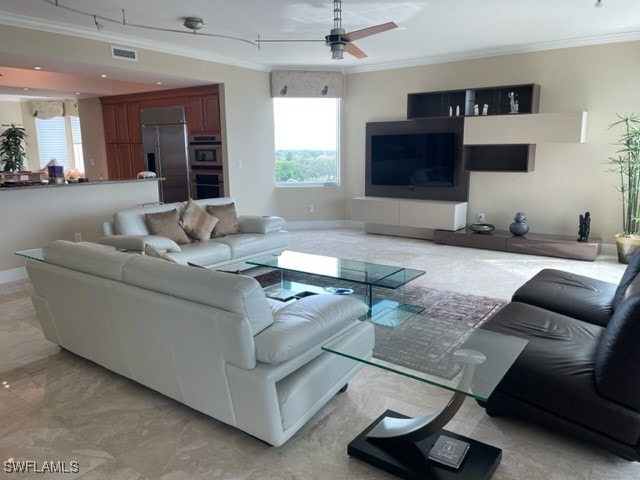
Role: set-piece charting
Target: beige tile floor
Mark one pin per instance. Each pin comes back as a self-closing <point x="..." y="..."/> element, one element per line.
<point x="58" y="407"/>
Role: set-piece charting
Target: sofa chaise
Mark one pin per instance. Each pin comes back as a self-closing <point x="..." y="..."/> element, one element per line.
<point x="242" y="237"/>
<point x="208" y="339"/>
<point x="580" y="372"/>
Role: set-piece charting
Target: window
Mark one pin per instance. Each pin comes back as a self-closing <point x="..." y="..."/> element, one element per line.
<point x="306" y="141"/>
<point x="59" y="138"/>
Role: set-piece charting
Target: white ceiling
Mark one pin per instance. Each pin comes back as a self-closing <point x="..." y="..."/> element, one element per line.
<point x="429" y="31"/>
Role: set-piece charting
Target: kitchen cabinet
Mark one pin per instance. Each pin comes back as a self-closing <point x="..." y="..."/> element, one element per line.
<point x="122" y="123"/>
<point x="203" y="115"/>
<point x="124" y="161"/>
<point x="113" y="165"/>
<point x="109" y="120"/>
<point x="122" y="129"/>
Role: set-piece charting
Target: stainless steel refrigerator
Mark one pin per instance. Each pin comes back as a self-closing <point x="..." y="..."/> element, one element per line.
<point x="164" y="142"/>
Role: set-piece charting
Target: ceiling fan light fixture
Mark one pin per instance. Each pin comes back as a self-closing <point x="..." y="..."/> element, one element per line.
<point x="337" y="51"/>
<point x="193" y="23"/>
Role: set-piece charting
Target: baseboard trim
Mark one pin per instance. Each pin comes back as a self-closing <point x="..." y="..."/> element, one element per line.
<point x="320" y="224"/>
<point x="13" y="275"/>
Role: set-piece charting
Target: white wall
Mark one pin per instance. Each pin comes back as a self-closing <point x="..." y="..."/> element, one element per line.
<point x="10" y="112"/>
<point x="569" y="179"/>
<point x="93" y="143"/>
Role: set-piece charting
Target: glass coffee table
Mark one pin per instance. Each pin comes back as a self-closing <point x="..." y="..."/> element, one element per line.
<point x="419" y="448"/>
<point x="381" y="287"/>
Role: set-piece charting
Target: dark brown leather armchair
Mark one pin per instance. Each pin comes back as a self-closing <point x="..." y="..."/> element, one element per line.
<point x="580" y="372"/>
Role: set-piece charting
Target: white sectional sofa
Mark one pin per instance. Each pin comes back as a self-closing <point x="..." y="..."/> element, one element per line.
<point x="208" y="339"/>
<point x="258" y="235"/>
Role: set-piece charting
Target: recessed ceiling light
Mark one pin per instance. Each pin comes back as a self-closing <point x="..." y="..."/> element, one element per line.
<point x="25" y="88"/>
<point x="37" y="68"/>
<point x="103" y="75"/>
<point x="78" y="93"/>
<point x="158" y="83"/>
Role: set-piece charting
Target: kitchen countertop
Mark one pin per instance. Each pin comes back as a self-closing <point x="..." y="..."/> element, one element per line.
<point x="74" y="184"/>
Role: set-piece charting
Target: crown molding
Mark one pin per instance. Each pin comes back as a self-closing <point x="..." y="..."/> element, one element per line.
<point x="497" y="52"/>
<point x="125" y="40"/>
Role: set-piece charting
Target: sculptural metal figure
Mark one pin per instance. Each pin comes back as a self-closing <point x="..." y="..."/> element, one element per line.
<point x="583" y="230"/>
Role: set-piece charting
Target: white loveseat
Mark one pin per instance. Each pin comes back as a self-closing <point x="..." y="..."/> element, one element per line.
<point x="258" y="235"/>
<point x="208" y="339"/>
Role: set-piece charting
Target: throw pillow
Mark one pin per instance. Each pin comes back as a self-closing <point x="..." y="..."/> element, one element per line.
<point x="154" y="252"/>
<point x="197" y="222"/>
<point x="228" y="224"/>
<point x="166" y="224"/>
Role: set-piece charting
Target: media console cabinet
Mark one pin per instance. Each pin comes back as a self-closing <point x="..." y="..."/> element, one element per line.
<point x="533" y="243"/>
<point x="408" y="217"/>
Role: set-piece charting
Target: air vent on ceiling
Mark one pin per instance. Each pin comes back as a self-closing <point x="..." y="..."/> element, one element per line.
<point x="124" y="53"/>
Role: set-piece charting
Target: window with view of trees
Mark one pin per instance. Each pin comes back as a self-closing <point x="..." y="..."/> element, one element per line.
<point x="306" y="141"/>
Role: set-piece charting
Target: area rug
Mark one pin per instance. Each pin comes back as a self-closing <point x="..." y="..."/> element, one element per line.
<point x="426" y="342"/>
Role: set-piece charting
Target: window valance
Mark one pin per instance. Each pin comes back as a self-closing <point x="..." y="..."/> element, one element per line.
<point x="48" y="109"/>
<point x="285" y="83"/>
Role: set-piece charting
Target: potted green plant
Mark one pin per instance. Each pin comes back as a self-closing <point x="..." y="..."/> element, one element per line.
<point x="626" y="164"/>
<point x="12" y="153"/>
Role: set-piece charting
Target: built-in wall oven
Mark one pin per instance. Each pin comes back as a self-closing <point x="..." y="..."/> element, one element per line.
<point x="206" y="171"/>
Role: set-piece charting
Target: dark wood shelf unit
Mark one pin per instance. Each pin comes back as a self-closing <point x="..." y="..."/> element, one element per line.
<point x="561" y="246"/>
<point x="499" y="158"/>
<point x="437" y="103"/>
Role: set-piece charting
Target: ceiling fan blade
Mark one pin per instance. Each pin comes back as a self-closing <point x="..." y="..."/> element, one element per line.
<point x="351" y="49"/>
<point x="365" y="32"/>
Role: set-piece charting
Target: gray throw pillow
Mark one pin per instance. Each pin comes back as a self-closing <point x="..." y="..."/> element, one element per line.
<point x="228" y="224"/>
<point x="197" y="222"/>
<point x="166" y="224"/>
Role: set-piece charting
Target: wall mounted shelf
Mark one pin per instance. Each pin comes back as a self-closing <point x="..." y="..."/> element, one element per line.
<point x="525" y="128"/>
<point x="442" y="103"/>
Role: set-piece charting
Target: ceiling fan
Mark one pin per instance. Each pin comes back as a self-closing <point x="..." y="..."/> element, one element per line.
<point x="340" y="41"/>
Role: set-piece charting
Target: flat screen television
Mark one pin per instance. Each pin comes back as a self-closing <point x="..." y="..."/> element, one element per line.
<point x="416" y="159"/>
<point x="413" y="159"/>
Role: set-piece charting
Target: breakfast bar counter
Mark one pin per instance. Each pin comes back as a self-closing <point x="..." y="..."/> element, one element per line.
<point x="35" y="215"/>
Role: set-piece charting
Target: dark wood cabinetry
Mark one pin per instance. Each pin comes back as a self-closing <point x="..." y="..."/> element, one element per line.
<point x="122" y="129"/>
<point x="203" y="115"/>
<point x="124" y="160"/>
<point x="109" y="119"/>
<point x="123" y="139"/>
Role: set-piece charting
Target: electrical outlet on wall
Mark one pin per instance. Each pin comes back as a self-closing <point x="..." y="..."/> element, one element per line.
<point x="311" y="208"/>
<point x="77" y="237"/>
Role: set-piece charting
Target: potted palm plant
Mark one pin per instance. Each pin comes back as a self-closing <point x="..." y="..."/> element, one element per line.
<point x="626" y="163"/>
<point x="12" y="152"/>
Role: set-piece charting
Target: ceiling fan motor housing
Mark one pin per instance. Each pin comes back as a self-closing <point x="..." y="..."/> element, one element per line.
<point x="336" y="42"/>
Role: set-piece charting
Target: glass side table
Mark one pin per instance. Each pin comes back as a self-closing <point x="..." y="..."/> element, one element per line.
<point x="404" y="446"/>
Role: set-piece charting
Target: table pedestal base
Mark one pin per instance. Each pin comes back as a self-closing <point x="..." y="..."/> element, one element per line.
<point x="409" y="460"/>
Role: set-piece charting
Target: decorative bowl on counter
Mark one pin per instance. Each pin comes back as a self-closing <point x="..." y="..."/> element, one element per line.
<point x="482" y="227"/>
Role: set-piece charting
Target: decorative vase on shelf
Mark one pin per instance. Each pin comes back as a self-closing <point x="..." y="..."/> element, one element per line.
<point x="519" y="227"/>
